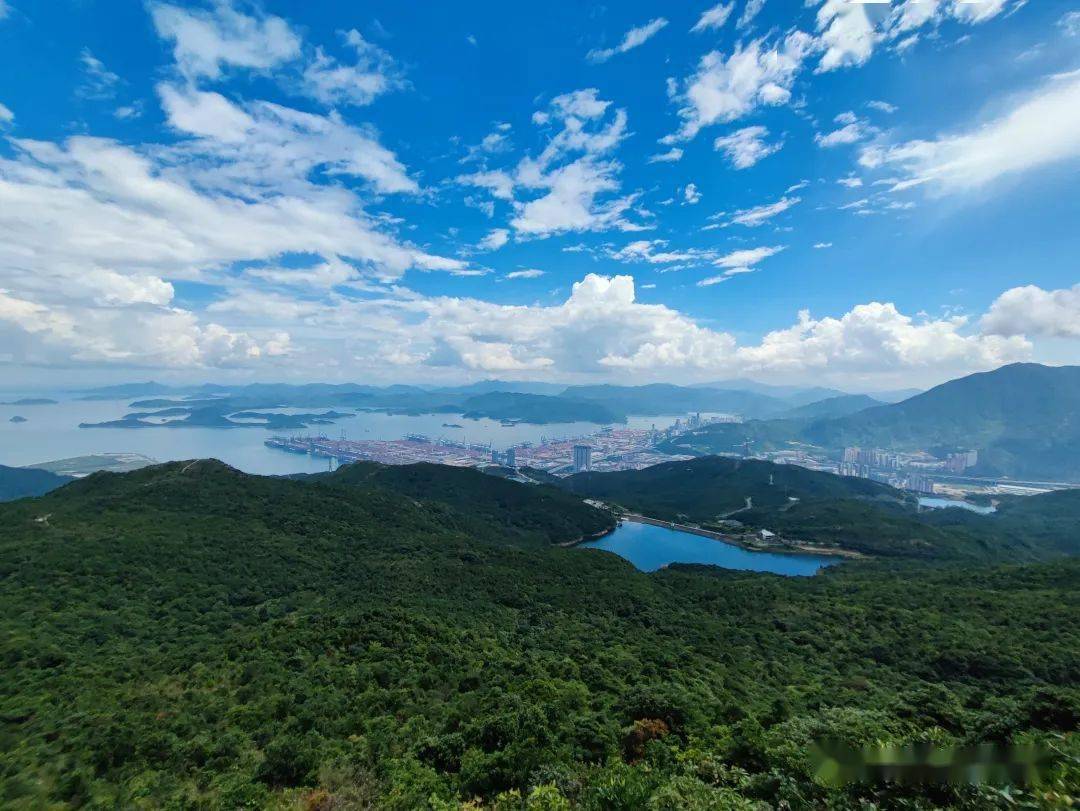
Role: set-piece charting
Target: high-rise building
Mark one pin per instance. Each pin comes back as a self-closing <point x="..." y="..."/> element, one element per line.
<point x="582" y="458"/>
<point x="511" y="457"/>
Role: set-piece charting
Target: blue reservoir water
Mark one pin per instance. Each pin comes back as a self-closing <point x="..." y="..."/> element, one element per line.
<point x="651" y="547"/>
<point x="946" y="503"/>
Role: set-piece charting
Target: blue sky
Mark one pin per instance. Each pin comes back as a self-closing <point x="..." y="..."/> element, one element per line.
<point x="862" y="194"/>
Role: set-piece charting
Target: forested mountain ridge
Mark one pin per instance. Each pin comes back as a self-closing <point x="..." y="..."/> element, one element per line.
<point x="1024" y="419"/>
<point x="187" y="635"/>
<point x="852" y="513"/>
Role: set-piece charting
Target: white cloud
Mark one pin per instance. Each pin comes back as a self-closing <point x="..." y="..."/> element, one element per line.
<point x="156" y="338"/>
<point x="851" y="182"/>
<point x="374" y="73"/>
<point x="324" y="276"/>
<point x="98" y="81"/>
<point x="691" y="195"/>
<point x="847" y="34"/>
<point x="747" y="257"/>
<point x="672" y="155"/>
<point x="493" y="143"/>
<point x="728" y="88"/>
<point x="568" y="187"/>
<point x="1070" y="23"/>
<point x="531" y="273"/>
<point x="495" y="239"/>
<point x="821" y="245"/>
<point x="499" y="184"/>
<point x="750" y="11"/>
<point x="206" y="41"/>
<point x="882" y="106"/>
<point x="655" y="252"/>
<point x="1030" y="310"/>
<point x="5" y="9"/>
<point x="727" y="275"/>
<point x="632" y="39"/>
<point x="875" y="337"/>
<point x="854" y="129"/>
<point x="714" y="17"/>
<point x="747" y="146"/>
<point x="1041" y="129"/>
<point x="759" y="215"/>
<point x="578" y="104"/>
<point x="6" y="116"/>
<point x="269" y="141"/>
<point x="570" y="202"/>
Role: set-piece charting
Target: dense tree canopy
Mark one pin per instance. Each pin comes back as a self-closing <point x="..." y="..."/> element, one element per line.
<point x="189" y="636"/>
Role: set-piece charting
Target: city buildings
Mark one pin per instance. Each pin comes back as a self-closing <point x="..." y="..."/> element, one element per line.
<point x="582" y="458"/>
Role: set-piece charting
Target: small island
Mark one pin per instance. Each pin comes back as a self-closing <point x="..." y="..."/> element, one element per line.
<point x="221" y="414"/>
<point x="32" y="401"/>
<point x="17" y="418"/>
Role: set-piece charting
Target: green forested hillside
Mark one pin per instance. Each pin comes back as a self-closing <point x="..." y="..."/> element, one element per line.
<point x="20" y="482"/>
<point x="822" y="508"/>
<point x="544" y="512"/>
<point x="708" y="487"/>
<point x="189" y="636"/>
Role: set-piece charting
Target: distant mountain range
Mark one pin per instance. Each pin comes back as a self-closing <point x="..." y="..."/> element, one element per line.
<point x="841" y="406"/>
<point x="1023" y="419"/>
<point x="499" y="399"/>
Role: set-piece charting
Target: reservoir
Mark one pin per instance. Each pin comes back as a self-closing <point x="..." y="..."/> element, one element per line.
<point x="650" y="547"/>
<point x="945" y="503"/>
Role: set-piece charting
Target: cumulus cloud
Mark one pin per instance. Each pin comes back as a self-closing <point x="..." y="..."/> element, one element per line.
<point x="570" y="185"/>
<point x="691" y="195"/>
<point x="158" y="337"/>
<point x="205" y="42"/>
<point x="1030" y="310"/>
<point x="633" y="38"/>
<point x="874" y="337"/>
<point x="847" y="34"/>
<point x="1041" y="129"/>
<point x="747" y="146"/>
<point x="726" y="88"/>
<point x="713" y="18"/>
